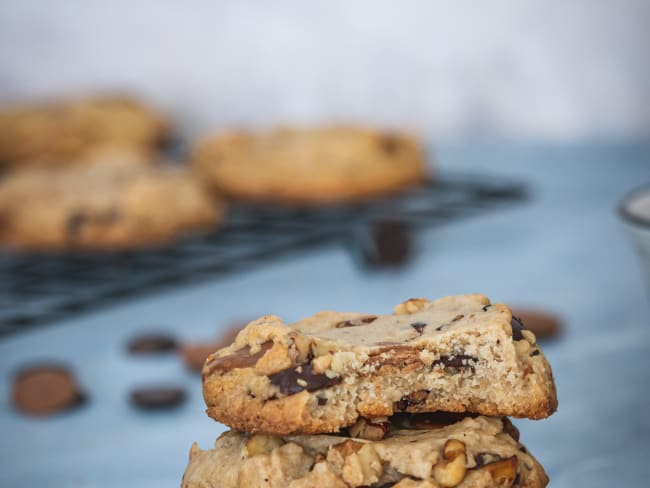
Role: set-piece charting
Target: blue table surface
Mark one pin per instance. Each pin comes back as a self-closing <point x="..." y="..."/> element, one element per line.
<point x="563" y="250"/>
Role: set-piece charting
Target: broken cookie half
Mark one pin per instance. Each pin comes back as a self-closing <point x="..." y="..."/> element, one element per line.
<point x="415" y="451"/>
<point x="323" y="373"/>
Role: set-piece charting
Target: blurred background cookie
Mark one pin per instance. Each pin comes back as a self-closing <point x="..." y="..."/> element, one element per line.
<point x="64" y="132"/>
<point x="102" y="207"/>
<point x="309" y="166"/>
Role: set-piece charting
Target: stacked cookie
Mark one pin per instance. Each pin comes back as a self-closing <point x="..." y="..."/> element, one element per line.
<point x="413" y="399"/>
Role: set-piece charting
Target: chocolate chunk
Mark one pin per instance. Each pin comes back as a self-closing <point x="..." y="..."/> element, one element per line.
<point x="77" y="220"/>
<point x="156" y="398"/>
<point x="457" y="317"/>
<point x="456" y="361"/>
<point x="402" y="357"/>
<point x="389" y="243"/>
<point x="483" y="458"/>
<point x="74" y="223"/>
<point x="418" y="326"/>
<point x="517" y="327"/>
<point x="544" y="325"/>
<point x="356" y="322"/>
<point x="485" y="309"/>
<point x="534" y="353"/>
<point x="510" y="429"/>
<point x="152" y="343"/>
<point x="45" y="389"/>
<point x="294" y="380"/>
<point x="389" y="143"/>
<point x="322" y="401"/>
<point x="412" y="399"/>
<point x="240" y="359"/>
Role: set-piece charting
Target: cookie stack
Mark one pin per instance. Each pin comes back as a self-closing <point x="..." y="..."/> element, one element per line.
<point x="414" y="399"/>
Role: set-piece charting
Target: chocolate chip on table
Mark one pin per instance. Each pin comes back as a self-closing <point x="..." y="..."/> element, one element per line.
<point x="152" y="343"/>
<point x="157" y="398"/>
<point x="239" y="359"/>
<point x="195" y="354"/>
<point x="544" y="325"/>
<point x="294" y="380"/>
<point x="389" y="243"/>
<point x="45" y="390"/>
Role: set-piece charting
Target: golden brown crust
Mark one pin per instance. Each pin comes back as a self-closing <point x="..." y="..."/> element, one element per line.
<point x="65" y="132"/>
<point x="309" y="166"/>
<point x="457" y="354"/>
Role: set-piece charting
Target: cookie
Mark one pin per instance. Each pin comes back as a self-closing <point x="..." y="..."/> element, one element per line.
<point x="455" y="354"/>
<point x="102" y="207"/>
<point x="469" y="453"/>
<point x="45" y="390"/>
<point x="309" y="166"/>
<point x="65" y="132"/>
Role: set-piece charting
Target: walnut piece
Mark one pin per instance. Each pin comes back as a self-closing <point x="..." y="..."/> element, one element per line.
<point x="451" y="471"/>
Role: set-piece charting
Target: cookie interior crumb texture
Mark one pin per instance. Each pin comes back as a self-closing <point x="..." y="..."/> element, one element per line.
<point x="309" y="166"/>
<point x="475" y="452"/>
<point x="455" y="354"/>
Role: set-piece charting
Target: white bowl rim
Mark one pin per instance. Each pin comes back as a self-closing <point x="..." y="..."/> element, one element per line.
<point x="624" y="211"/>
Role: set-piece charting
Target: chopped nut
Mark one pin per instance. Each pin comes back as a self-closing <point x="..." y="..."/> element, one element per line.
<point x="503" y="472"/>
<point x="412" y="305"/>
<point x="362" y="467"/>
<point x="262" y="444"/>
<point x="522" y="347"/>
<point x="411" y="483"/>
<point x="529" y="336"/>
<point x="372" y="430"/>
<point x="451" y="471"/>
<point x="322" y="363"/>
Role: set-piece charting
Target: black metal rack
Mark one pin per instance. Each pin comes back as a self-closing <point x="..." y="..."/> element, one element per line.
<point x="37" y="289"/>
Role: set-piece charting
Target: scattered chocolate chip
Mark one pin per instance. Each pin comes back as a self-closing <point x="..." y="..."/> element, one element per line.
<point x="457" y="361"/>
<point x="322" y="401"/>
<point x="510" y="428"/>
<point x="45" y="389"/>
<point x="356" y="322"/>
<point x="543" y="324"/>
<point x="294" y="380"/>
<point x="194" y="355"/>
<point x="155" y="398"/>
<point x="239" y="359"/>
<point x="517" y="327"/>
<point x="418" y="326"/>
<point x="151" y="343"/>
<point x="389" y="243"/>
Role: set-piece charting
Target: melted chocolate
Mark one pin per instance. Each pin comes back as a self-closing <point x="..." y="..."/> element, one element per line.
<point x="289" y="380"/>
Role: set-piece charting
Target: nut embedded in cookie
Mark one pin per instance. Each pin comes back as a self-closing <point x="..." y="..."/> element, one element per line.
<point x="323" y="373"/>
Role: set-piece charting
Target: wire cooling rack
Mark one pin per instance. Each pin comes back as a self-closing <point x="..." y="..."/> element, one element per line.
<point x="37" y="289"/>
